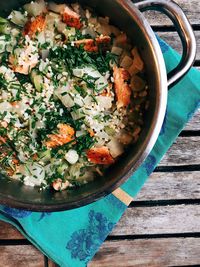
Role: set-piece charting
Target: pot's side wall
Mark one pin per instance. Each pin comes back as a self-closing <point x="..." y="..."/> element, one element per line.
<point x="26" y="197"/>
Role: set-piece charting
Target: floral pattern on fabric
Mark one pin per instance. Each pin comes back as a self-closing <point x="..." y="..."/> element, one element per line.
<point x="16" y="213"/>
<point x="86" y="241"/>
<point x="43" y="215"/>
<point x="149" y="164"/>
<point x="116" y="203"/>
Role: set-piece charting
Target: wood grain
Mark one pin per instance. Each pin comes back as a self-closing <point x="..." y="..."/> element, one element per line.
<point x="171" y="185"/>
<point x="159" y="220"/>
<point x="194" y="123"/>
<point x="7" y="231"/>
<point x="22" y="256"/>
<point x="172" y="39"/>
<point x="150" y="252"/>
<point x="149" y="219"/>
<point x="191" y="9"/>
<point x="145" y="220"/>
<point x="52" y="264"/>
<point x="185" y="151"/>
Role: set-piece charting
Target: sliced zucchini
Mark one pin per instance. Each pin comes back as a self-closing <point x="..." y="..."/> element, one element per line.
<point x="62" y="168"/>
<point x="4" y="26"/>
<point x="45" y="156"/>
<point x="37" y="80"/>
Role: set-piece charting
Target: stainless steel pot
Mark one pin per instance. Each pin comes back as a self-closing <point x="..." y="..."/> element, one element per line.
<point x="128" y="17"/>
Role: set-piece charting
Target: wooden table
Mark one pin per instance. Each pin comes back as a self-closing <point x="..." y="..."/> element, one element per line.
<point x="162" y="227"/>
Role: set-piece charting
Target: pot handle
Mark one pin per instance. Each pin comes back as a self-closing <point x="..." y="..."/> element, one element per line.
<point x="185" y="32"/>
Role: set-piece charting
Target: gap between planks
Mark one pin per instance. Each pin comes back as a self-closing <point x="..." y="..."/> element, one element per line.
<point x="160" y="186"/>
<point x="149" y="252"/>
<point x="157" y="220"/>
<point x="138" y="253"/>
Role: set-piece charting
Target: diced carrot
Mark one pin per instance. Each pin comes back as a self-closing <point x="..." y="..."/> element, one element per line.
<point x="15" y="104"/>
<point x="92" y="45"/>
<point x="3" y="140"/>
<point x="23" y="69"/>
<point x="100" y="155"/>
<point x="35" y="156"/>
<point x="88" y="45"/>
<point x="103" y="40"/>
<point x="122" y="89"/>
<point x="65" y="135"/>
<point x="71" y="18"/>
<point x="15" y="161"/>
<point x="37" y="25"/>
<point x="91" y="132"/>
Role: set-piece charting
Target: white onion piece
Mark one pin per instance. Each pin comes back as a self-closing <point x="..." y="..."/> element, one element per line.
<point x="67" y="101"/>
<point x="41" y="38"/>
<point x="89" y="31"/>
<point x="116" y="50"/>
<point x="126" y="62"/>
<point x="36" y="8"/>
<point x="18" y="18"/>
<point x="57" y="8"/>
<point x="100" y="83"/>
<point x="72" y="156"/>
<point x="34" y="174"/>
<point x="105" y="102"/>
<point x="45" y="53"/>
<point x="80" y="133"/>
<point x="116" y="149"/>
<point x="5" y="106"/>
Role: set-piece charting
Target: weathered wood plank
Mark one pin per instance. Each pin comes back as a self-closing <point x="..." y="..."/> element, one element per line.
<point x="185" y="151"/>
<point x="149" y="252"/>
<point x="172" y="39"/>
<point x="191" y="9"/>
<point x="172" y="185"/>
<point x="52" y="264"/>
<point x="194" y="123"/>
<point x="23" y="256"/>
<point x="7" y="231"/>
<point x="160" y="186"/>
<point x="159" y="220"/>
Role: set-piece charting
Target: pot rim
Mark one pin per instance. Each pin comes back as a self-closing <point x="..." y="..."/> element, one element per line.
<point x="149" y="141"/>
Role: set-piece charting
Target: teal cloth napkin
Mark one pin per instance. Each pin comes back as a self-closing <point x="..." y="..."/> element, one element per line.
<point x="71" y="238"/>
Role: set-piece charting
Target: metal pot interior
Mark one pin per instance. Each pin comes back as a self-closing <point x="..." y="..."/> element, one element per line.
<point x="124" y="15"/>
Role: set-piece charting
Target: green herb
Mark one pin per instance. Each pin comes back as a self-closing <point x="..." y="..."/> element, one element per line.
<point x="64" y="93"/>
<point x="3" y="82"/>
<point x="84" y="142"/>
<point x="80" y="90"/>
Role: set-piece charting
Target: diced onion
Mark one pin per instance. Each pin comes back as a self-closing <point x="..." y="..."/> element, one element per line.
<point x="116" y="50"/>
<point x="36" y="8"/>
<point x="139" y="64"/>
<point x="57" y="8"/>
<point x="18" y="18"/>
<point x="45" y="53"/>
<point x="126" y="62"/>
<point x="116" y="149"/>
<point x="104" y="102"/>
<point x="72" y="156"/>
